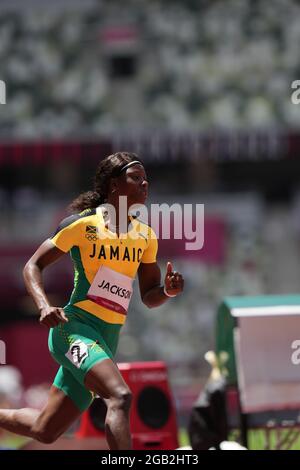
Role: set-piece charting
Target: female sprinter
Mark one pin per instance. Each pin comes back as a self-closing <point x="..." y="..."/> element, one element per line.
<point x="84" y="335"/>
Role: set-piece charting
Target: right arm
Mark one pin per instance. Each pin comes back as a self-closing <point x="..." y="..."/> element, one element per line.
<point x="46" y="254"/>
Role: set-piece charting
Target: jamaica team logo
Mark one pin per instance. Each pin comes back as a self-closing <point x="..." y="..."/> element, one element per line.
<point x="91" y="233"/>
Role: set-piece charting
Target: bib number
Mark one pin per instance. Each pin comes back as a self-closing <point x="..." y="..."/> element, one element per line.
<point x="111" y="290"/>
<point x="77" y="353"/>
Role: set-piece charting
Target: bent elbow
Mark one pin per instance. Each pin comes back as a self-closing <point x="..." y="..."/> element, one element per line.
<point x="28" y="267"/>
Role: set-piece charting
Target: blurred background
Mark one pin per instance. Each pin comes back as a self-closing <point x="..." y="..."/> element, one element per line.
<point x="201" y="91"/>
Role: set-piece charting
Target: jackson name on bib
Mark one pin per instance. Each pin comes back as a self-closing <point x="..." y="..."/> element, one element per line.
<point x="111" y="290"/>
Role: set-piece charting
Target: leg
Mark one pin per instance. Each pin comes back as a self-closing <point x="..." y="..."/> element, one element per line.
<point x="105" y="379"/>
<point x="46" y="425"/>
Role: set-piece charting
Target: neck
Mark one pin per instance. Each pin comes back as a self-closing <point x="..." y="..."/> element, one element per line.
<point x="116" y="214"/>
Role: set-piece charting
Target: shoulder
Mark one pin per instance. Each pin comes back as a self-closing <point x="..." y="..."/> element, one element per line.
<point x="145" y="229"/>
<point x="75" y="219"/>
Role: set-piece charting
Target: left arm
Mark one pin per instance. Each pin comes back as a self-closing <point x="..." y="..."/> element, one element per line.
<point x="154" y="294"/>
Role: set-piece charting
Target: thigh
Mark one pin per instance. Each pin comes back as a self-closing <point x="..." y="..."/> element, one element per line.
<point x="78" y="347"/>
<point x="105" y="379"/>
<point x="77" y="392"/>
<point x="58" y="414"/>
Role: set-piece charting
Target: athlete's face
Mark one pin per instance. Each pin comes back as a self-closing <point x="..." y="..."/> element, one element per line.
<point x="133" y="184"/>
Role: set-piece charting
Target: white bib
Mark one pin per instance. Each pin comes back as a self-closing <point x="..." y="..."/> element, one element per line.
<point x="77" y="353"/>
<point x="111" y="289"/>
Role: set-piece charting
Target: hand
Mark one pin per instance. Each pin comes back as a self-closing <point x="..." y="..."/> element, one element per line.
<point x="52" y="316"/>
<point x="174" y="281"/>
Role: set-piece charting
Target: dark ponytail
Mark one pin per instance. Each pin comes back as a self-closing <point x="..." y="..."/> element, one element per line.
<point x="86" y="200"/>
<point x="108" y="168"/>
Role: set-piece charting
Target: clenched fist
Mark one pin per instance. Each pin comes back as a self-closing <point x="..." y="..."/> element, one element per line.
<point x="52" y="316"/>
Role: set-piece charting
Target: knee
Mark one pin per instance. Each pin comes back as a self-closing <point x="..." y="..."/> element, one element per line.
<point x="121" y="399"/>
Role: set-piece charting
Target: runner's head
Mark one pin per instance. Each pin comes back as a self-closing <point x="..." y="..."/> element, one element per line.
<point x="128" y="179"/>
<point x="119" y="174"/>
